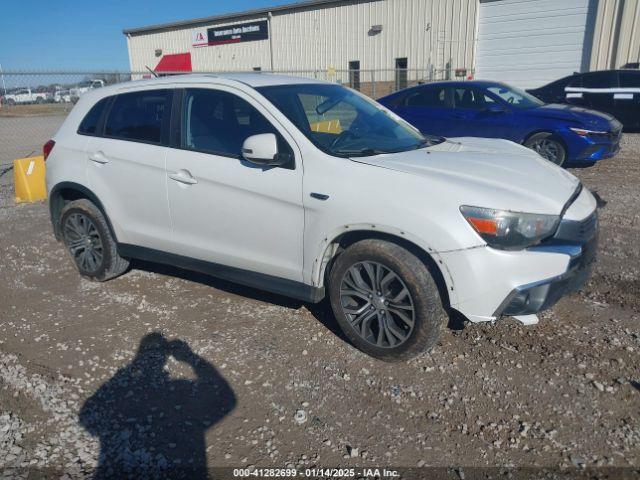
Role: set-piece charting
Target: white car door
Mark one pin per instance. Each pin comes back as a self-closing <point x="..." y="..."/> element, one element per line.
<point x="224" y="209"/>
<point x="126" y="167"/>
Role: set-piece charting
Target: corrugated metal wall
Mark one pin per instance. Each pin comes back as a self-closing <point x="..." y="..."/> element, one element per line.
<point x="427" y="32"/>
<point x="437" y="32"/>
<point x="617" y="34"/>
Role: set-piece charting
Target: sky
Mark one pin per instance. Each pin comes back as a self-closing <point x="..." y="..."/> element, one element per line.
<point x="87" y="34"/>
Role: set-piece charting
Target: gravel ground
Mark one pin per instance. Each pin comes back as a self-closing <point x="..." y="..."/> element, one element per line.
<point x="163" y="368"/>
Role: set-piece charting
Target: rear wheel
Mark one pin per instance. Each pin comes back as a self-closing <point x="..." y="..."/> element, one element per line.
<point x="385" y="300"/>
<point x="89" y="242"/>
<point x="548" y="147"/>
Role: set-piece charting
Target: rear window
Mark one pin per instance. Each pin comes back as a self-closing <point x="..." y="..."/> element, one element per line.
<point x="139" y="116"/>
<point x="89" y="124"/>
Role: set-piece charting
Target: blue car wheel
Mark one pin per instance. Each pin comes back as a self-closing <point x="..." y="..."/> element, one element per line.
<point x="548" y="147"/>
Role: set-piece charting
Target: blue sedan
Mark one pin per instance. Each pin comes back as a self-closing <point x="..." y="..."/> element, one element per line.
<point x="563" y="134"/>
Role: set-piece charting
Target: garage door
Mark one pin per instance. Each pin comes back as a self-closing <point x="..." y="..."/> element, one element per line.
<point x="529" y="43"/>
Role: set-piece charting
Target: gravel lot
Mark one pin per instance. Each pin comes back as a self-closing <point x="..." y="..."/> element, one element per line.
<point x="163" y="368"/>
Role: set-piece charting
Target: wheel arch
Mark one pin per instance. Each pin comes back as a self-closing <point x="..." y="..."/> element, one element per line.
<point x="65" y="192"/>
<point x="333" y="246"/>
<point x="550" y="131"/>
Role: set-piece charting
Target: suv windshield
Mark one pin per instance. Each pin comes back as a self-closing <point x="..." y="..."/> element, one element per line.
<point x="514" y="96"/>
<point x="343" y="123"/>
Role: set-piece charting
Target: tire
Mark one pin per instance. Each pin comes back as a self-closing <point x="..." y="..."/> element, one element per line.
<point x="11" y="102"/>
<point x="39" y="100"/>
<point x="407" y="272"/>
<point x="548" y="146"/>
<point x="84" y="229"/>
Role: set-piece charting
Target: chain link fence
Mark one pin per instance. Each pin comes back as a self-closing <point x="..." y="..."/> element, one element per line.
<point x="34" y="104"/>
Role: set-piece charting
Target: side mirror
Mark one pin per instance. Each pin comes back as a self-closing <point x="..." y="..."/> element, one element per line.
<point x="262" y="149"/>
<point x="495" y="108"/>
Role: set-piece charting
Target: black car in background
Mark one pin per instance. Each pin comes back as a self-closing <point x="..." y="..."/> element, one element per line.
<point x="616" y="92"/>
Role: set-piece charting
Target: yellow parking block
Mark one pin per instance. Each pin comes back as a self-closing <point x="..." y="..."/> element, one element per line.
<point x="28" y="179"/>
<point x="327" y="126"/>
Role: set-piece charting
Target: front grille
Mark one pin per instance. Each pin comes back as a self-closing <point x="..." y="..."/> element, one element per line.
<point x="578" y="231"/>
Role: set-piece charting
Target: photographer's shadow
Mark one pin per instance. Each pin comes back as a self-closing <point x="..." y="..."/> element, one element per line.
<point x="151" y="425"/>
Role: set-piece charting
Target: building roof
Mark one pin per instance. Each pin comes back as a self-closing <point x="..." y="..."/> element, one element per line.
<point x="230" y="17"/>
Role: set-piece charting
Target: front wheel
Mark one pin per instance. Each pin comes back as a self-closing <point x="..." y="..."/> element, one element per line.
<point x="386" y="300"/>
<point x="548" y="147"/>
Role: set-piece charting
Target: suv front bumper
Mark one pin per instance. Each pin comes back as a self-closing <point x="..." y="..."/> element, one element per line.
<point x="539" y="296"/>
<point x="487" y="283"/>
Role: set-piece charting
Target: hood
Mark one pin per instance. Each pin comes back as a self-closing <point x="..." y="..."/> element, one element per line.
<point x="489" y="173"/>
<point x="585" y="117"/>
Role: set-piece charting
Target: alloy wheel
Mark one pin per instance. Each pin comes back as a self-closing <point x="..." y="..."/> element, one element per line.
<point x="83" y="242"/>
<point x="377" y="304"/>
<point x="548" y="149"/>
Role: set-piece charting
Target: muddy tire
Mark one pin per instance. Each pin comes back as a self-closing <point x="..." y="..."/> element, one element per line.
<point x="385" y="300"/>
<point x="88" y="240"/>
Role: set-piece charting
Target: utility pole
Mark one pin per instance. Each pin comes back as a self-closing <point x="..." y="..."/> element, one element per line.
<point x="270" y="33"/>
<point x="4" y="86"/>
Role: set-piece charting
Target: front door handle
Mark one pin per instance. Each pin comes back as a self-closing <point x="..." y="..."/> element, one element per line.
<point x="98" y="157"/>
<point x="183" y="176"/>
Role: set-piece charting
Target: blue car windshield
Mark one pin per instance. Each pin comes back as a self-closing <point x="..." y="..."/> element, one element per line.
<point x="343" y="123"/>
<point x="514" y="96"/>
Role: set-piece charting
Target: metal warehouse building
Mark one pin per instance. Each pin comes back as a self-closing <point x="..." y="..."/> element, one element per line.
<point x="524" y="42"/>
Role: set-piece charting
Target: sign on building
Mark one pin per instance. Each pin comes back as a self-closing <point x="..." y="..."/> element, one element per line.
<point x="200" y="38"/>
<point x="241" y="32"/>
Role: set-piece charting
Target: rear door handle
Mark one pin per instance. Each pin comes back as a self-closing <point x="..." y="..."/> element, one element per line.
<point x="98" y="157"/>
<point x="183" y="176"/>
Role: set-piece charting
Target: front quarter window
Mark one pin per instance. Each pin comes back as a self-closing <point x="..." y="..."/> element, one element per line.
<point x="341" y="122"/>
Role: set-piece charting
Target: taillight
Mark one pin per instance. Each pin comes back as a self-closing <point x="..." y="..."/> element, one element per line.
<point x="46" y="150"/>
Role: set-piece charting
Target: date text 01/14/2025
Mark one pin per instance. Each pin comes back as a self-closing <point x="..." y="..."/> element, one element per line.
<point x="315" y="472"/>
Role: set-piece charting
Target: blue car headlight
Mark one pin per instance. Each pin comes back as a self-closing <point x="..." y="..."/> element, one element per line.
<point x="583" y="132"/>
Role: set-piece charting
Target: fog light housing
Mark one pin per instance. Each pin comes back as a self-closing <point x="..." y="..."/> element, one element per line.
<point x="527" y="301"/>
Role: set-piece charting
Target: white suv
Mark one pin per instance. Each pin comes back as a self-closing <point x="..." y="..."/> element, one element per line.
<point x="309" y="189"/>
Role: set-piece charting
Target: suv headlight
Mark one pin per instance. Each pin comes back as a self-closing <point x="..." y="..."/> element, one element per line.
<point x="510" y="230"/>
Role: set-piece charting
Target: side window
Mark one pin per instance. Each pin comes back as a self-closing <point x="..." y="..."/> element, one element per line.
<point x="605" y="79"/>
<point x="89" y="124"/>
<point x="139" y="116"/>
<point x="427" y="97"/>
<point x="469" y="98"/>
<point x="219" y="122"/>
<point x="629" y="79"/>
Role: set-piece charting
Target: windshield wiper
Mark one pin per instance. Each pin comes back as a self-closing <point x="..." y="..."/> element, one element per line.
<point x="430" y="141"/>
<point x="364" y="152"/>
